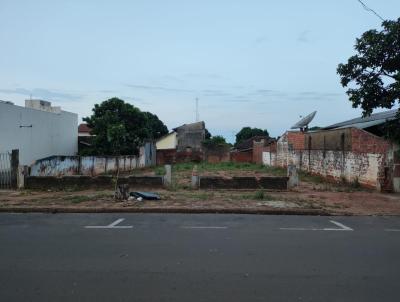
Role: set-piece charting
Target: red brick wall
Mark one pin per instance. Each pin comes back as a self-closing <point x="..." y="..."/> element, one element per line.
<point x="217" y="154"/>
<point x="189" y="156"/>
<point x="296" y="139"/>
<point x="166" y="156"/>
<point x="171" y="156"/>
<point x="365" y="142"/>
<point x="242" y="157"/>
<point x="258" y="149"/>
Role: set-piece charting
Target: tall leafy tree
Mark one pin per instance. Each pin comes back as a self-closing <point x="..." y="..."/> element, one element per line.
<point x="248" y="132"/>
<point x="373" y="74"/>
<point x="215" y="141"/>
<point x="155" y="125"/>
<point x="120" y="128"/>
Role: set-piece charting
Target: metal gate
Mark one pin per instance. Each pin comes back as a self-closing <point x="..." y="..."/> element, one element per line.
<point x="5" y="170"/>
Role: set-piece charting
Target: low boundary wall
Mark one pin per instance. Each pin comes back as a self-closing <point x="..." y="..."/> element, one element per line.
<point x="269" y="183"/>
<point x="87" y="182"/>
<point x="83" y="165"/>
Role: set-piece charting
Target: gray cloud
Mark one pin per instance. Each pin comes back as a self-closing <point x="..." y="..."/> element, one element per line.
<point x="203" y="76"/>
<point x="267" y="92"/>
<point x="136" y="100"/>
<point x="315" y="96"/>
<point x="303" y="37"/>
<point x="43" y="93"/>
<point x="107" y="91"/>
<point x="238" y="100"/>
<point x="157" y="88"/>
<point x="215" y="92"/>
<point x="261" y="39"/>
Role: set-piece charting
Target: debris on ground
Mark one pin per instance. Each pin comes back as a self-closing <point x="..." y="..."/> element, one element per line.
<point x="145" y="195"/>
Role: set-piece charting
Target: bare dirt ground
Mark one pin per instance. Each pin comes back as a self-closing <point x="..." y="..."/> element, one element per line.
<point x="313" y="195"/>
<point x="305" y="197"/>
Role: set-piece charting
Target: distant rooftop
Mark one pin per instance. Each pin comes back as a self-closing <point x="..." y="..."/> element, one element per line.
<point x="192" y="126"/>
<point x="366" y="122"/>
<point x="248" y="143"/>
<point x="84" y="128"/>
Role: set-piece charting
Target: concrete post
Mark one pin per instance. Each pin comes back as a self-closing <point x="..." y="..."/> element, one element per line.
<point x="195" y="178"/>
<point x="293" y="176"/>
<point x="22" y="173"/>
<point x="168" y="175"/>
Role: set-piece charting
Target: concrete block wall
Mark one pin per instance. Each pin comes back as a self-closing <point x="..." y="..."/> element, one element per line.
<point x="82" y="165"/>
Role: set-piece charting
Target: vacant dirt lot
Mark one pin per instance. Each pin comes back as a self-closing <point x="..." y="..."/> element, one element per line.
<point x="305" y="199"/>
<point x="314" y="195"/>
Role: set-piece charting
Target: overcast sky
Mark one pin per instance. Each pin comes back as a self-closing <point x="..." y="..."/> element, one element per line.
<point x="250" y="63"/>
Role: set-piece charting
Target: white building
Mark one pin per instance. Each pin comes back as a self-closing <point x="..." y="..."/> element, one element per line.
<point x="38" y="130"/>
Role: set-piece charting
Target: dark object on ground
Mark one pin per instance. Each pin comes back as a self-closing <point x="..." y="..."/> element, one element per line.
<point x="145" y="195"/>
<point x="122" y="192"/>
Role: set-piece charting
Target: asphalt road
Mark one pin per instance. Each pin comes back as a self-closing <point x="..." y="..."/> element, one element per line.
<point x="171" y="257"/>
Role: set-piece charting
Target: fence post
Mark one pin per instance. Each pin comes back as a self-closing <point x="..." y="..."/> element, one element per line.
<point x="195" y="178"/>
<point x="293" y="176"/>
<point x="22" y="174"/>
<point x="14" y="168"/>
<point x="168" y="175"/>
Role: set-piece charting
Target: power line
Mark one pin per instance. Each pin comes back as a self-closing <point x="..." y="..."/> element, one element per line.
<point x="370" y="10"/>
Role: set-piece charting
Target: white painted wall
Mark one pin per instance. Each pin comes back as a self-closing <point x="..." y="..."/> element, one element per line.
<point x="51" y="133"/>
<point x="266" y="158"/>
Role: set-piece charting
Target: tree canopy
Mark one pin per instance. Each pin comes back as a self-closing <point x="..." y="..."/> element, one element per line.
<point x="215" y="142"/>
<point x="120" y="128"/>
<point x="248" y="132"/>
<point x="207" y="134"/>
<point x="373" y="74"/>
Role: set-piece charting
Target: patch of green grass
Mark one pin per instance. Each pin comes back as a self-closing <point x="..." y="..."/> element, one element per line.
<point x="160" y="170"/>
<point x="173" y="187"/>
<point x="305" y="176"/>
<point x="228" y="166"/>
<point x="258" y="195"/>
<point x="202" y="196"/>
<point x="77" y="198"/>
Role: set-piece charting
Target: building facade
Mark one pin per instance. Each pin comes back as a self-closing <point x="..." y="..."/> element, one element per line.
<point x="37" y="130"/>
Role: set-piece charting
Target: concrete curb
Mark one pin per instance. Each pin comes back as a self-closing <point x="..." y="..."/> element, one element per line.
<point x="170" y="210"/>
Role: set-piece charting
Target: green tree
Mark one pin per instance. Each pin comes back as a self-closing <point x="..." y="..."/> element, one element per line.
<point x="373" y="74"/>
<point x="155" y="126"/>
<point x="208" y="134"/>
<point x="215" y="141"/>
<point x="120" y="128"/>
<point x="248" y="132"/>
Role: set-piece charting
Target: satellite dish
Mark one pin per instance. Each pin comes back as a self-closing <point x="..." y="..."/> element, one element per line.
<point x="303" y="123"/>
